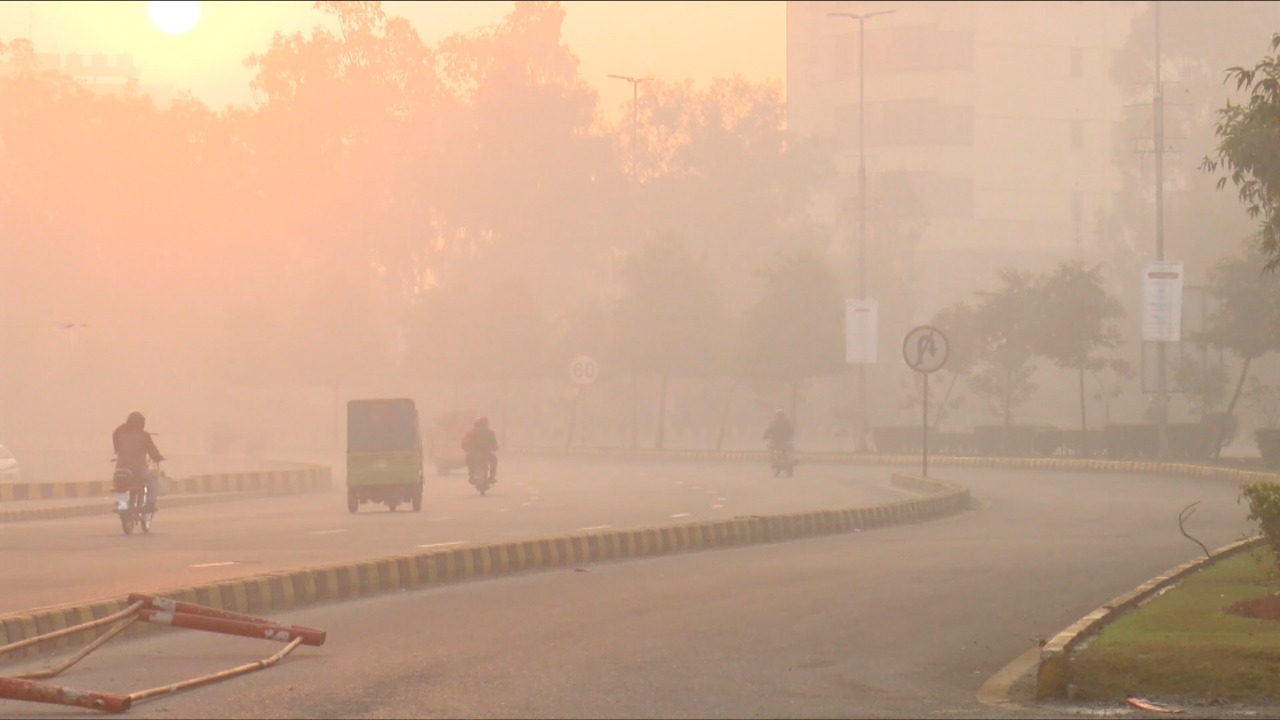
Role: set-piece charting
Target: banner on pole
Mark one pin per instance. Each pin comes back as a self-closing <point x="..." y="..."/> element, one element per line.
<point x="860" y="331"/>
<point x="1162" y="301"/>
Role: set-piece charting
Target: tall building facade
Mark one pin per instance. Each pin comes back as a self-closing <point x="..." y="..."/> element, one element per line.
<point x="997" y="118"/>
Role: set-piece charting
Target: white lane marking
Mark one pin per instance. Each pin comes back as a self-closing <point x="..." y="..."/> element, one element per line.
<point x="680" y="515"/>
<point x="717" y="506"/>
<point x="444" y="544"/>
<point x="504" y="509"/>
<point x="327" y="532"/>
<point x="594" y="527"/>
<point x="722" y="499"/>
<point x="215" y="564"/>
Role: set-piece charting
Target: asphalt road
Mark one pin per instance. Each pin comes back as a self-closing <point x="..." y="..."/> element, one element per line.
<point x="900" y="622"/>
<point x="51" y="562"/>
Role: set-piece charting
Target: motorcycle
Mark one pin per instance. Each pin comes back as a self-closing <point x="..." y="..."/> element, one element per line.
<point x="480" y="472"/>
<point x="782" y="459"/>
<point x="132" y="499"/>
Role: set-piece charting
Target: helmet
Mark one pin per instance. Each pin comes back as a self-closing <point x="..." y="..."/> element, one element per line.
<point x="136" y="419"/>
<point x="779" y="413"/>
<point x="482" y="422"/>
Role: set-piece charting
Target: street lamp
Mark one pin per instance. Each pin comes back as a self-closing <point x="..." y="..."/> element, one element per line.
<point x="635" y="105"/>
<point x="862" y="197"/>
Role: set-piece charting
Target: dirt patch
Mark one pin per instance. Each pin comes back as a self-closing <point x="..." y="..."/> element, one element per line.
<point x="1266" y="607"/>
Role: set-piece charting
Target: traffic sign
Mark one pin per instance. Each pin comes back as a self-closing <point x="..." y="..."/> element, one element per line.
<point x="583" y="370"/>
<point x="926" y="349"/>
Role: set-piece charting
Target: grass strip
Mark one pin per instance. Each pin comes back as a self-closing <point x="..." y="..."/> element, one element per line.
<point x="1186" y="643"/>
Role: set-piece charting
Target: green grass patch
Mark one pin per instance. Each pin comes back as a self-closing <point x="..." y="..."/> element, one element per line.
<point x="1185" y="642"/>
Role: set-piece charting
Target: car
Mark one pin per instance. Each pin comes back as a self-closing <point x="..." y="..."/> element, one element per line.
<point x="10" y="471"/>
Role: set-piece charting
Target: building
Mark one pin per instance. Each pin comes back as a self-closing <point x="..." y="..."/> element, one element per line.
<point x="102" y="75"/>
<point x="998" y="116"/>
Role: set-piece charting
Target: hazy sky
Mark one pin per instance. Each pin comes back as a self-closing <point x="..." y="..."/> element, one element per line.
<point x="674" y="40"/>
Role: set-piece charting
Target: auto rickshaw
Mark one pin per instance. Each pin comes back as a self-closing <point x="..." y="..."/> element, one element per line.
<point x="446" y="433"/>
<point x="384" y="453"/>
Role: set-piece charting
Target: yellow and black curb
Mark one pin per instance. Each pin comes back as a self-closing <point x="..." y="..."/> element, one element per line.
<point x="1053" y="675"/>
<point x="194" y="490"/>
<point x="290" y="589"/>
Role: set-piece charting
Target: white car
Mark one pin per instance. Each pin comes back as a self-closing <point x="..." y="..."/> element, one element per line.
<point x="9" y="469"/>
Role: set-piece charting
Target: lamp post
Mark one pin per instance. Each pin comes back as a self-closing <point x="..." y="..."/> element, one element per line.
<point x="862" y="198"/>
<point x="635" y="107"/>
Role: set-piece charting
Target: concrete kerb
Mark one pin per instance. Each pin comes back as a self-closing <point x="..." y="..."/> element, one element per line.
<point x="283" y="590"/>
<point x="1053" y="675"/>
<point x="181" y="492"/>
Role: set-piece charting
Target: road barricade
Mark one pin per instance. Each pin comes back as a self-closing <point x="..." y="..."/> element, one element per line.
<point x="149" y="608"/>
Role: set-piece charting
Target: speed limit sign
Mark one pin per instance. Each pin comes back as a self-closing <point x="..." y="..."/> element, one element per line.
<point x="583" y="370"/>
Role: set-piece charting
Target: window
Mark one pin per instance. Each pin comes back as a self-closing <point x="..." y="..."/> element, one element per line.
<point x="1077" y="135"/>
<point x="1077" y="62"/>
<point x="917" y="123"/>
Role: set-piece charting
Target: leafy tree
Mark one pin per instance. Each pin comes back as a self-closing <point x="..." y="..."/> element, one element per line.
<point x="796" y="330"/>
<point x="1078" y="321"/>
<point x="1245" y="320"/>
<point x="668" y="321"/>
<point x="1008" y="320"/>
<point x="959" y="322"/>
<point x="1248" y="136"/>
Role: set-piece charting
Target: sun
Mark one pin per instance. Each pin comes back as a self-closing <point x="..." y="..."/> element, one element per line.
<point x="174" y="18"/>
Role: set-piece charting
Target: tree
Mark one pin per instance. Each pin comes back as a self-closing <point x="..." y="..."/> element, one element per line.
<point x="1079" y="320"/>
<point x="1245" y="321"/>
<point x="959" y="322"/>
<point x="1248" y="136"/>
<point x="796" y="330"/>
<point x="1008" y="320"/>
<point x="668" y="320"/>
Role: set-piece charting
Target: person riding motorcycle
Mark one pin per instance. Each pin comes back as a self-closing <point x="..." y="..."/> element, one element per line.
<point x="133" y="445"/>
<point x="481" y="445"/>
<point x="780" y="432"/>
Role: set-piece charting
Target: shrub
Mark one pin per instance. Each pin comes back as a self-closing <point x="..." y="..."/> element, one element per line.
<point x="1264" y="509"/>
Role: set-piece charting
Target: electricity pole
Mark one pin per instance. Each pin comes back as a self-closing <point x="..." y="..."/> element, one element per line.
<point x="1162" y="388"/>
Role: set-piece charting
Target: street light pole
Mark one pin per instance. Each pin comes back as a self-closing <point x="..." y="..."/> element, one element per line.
<point x="862" y="199"/>
<point x="635" y="108"/>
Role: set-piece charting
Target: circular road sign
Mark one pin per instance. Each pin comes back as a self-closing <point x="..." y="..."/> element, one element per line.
<point x="583" y="370"/>
<point x="926" y="349"/>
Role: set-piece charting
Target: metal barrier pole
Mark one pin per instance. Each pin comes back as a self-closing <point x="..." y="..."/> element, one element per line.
<point x="143" y="695"/>
<point x="32" y="691"/>
<point x="243" y="628"/>
<point x="11" y="647"/>
<point x="42" y="674"/>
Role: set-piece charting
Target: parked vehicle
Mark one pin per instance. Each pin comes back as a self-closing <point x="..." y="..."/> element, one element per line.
<point x="384" y="453"/>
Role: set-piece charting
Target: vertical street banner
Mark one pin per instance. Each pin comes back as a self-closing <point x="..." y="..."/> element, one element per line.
<point x="860" y="331"/>
<point x="1162" y="301"/>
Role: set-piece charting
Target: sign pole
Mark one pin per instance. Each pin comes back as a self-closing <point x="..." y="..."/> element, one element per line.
<point x="925" y="434"/>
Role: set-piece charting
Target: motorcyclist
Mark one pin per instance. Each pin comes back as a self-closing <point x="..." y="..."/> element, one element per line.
<point x="481" y="445"/>
<point x="780" y="432"/>
<point x="133" y="445"/>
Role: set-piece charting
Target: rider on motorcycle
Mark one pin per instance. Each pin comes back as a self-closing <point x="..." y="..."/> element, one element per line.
<point x="780" y="433"/>
<point x="481" y="445"/>
<point x="133" y="445"/>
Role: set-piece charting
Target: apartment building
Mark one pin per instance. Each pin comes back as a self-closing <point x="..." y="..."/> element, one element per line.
<point x="999" y="117"/>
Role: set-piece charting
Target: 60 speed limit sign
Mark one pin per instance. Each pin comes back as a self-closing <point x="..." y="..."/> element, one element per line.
<point x="583" y="370"/>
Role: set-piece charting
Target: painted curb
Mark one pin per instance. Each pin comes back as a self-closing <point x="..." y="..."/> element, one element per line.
<point x="284" y="590"/>
<point x="1053" y="674"/>
<point x="293" y="480"/>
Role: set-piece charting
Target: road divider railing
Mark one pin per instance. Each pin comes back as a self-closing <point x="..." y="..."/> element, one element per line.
<point x="1130" y="467"/>
<point x="285" y="590"/>
<point x="281" y="482"/>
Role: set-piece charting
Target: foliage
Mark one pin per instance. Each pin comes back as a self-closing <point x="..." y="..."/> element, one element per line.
<point x="1264" y="509"/>
<point x="795" y="330"/>
<point x="1248" y="136"/>
<point x="1268" y="440"/>
<point x="1007" y="321"/>
<point x="1264" y="399"/>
